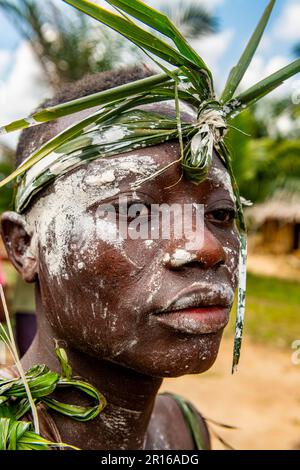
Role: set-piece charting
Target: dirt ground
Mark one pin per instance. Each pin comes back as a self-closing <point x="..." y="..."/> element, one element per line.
<point x="262" y="399"/>
<point x="285" y="267"/>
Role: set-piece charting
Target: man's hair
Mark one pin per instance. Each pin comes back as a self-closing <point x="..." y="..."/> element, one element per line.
<point x="34" y="137"/>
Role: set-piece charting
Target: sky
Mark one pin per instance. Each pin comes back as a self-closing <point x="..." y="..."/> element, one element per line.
<point x="21" y="87"/>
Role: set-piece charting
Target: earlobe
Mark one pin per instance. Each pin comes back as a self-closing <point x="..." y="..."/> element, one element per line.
<point x="18" y="245"/>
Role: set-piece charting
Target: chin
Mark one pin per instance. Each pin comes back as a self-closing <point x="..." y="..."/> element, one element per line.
<point x="194" y="355"/>
<point x="190" y="369"/>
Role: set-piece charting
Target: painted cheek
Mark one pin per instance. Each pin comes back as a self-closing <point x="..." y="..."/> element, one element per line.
<point x="98" y="253"/>
<point x="231" y="248"/>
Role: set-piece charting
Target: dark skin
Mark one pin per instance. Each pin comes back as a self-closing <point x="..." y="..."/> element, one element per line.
<point x="102" y="303"/>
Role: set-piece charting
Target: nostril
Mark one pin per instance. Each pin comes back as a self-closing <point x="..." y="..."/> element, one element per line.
<point x="196" y="264"/>
<point x="204" y="258"/>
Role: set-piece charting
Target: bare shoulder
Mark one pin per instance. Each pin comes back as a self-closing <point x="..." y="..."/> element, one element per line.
<point x="168" y="428"/>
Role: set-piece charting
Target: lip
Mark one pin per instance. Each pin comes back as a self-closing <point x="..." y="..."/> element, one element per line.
<point x="200" y="320"/>
<point x="199" y="309"/>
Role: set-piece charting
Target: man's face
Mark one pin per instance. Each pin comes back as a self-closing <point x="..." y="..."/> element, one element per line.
<point x="106" y="297"/>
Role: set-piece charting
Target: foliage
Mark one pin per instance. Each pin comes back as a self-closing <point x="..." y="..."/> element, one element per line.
<point x="190" y="17"/>
<point x="265" y="159"/>
<point x="6" y="167"/>
<point x="272" y="310"/>
<point x="297" y="50"/>
<point x="67" y="46"/>
<point x="183" y="55"/>
<point x="196" y="82"/>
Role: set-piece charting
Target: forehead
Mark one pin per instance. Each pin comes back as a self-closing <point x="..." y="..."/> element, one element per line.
<point x="168" y="108"/>
<point x="107" y="176"/>
<point x="147" y="161"/>
<point x="104" y="178"/>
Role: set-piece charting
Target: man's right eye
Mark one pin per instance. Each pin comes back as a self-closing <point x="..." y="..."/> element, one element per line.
<point x="221" y="216"/>
<point x="127" y="212"/>
<point x="134" y="210"/>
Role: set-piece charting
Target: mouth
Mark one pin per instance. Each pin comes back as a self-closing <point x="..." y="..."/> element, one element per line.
<point x="197" y="311"/>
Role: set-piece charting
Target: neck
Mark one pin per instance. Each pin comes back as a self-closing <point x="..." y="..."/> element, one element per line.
<point x="130" y="395"/>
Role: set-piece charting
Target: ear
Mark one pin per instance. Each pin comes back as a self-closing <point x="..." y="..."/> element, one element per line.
<point x="19" y="245"/>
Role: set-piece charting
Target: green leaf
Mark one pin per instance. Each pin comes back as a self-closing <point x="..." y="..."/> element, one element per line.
<point x="18" y="435"/>
<point x="261" y="89"/>
<point x="104" y="115"/>
<point x="133" y="32"/>
<point x="237" y="73"/>
<point x="66" y="369"/>
<point x="96" y="99"/>
<point x="191" y="416"/>
<point x="51" y="145"/>
<point x="17" y="430"/>
<point x="161" y="23"/>
<point x="4" y="432"/>
<point x="79" y="413"/>
<point x="40" y="379"/>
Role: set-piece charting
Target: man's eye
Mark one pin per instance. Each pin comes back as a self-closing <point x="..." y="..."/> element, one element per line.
<point x="132" y="211"/>
<point x="138" y="210"/>
<point x="221" y="216"/>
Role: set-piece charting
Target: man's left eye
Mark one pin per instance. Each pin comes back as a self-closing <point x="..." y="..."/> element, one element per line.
<point x="138" y="210"/>
<point x="221" y="216"/>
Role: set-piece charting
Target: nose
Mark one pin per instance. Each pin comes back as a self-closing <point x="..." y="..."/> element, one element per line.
<point x="208" y="254"/>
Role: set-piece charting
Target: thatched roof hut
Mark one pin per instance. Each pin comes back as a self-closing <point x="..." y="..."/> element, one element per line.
<point x="278" y="221"/>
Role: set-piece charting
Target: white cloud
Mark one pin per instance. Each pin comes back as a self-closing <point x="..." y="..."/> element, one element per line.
<point x="285" y="124"/>
<point x="260" y="68"/>
<point x="209" y="4"/>
<point x="5" y="57"/>
<point x="23" y="90"/>
<point x="287" y="26"/>
<point x="266" y="43"/>
<point x="212" y="48"/>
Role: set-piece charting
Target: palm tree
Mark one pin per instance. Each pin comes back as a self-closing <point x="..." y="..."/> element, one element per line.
<point x="190" y="17"/>
<point x="266" y="161"/>
<point x="297" y="50"/>
<point x="68" y="46"/>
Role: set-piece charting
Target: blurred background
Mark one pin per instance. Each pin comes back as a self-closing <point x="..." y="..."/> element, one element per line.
<point x="44" y="44"/>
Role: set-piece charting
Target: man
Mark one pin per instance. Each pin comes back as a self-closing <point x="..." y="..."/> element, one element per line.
<point x="130" y="311"/>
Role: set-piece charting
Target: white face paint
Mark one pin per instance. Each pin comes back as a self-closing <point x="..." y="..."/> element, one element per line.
<point x="232" y="265"/>
<point x="179" y="258"/>
<point x="102" y="179"/>
<point x="156" y="278"/>
<point x="72" y="195"/>
<point x="223" y="178"/>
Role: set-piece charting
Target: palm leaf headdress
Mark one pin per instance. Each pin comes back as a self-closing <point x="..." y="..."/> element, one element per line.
<point x="184" y="77"/>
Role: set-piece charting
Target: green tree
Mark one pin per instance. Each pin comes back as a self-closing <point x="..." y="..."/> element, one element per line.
<point x="6" y="167"/>
<point x="70" y="45"/>
<point x="190" y="17"/>
<point x="67" y="46"/>
<point x="265" y="158"/>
